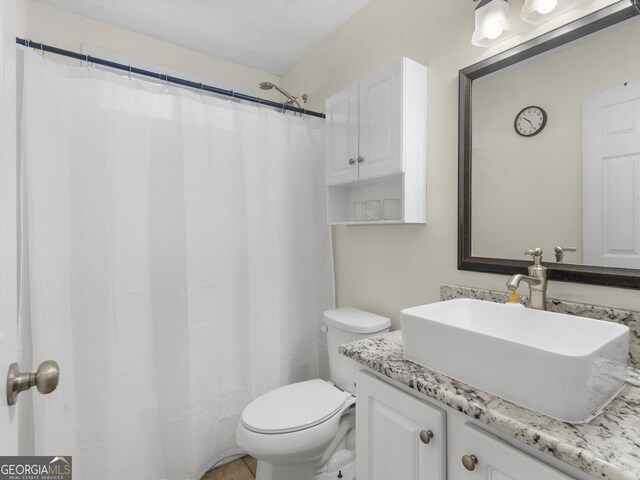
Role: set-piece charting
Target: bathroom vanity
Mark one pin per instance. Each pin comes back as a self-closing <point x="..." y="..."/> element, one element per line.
<point x="398" y="400"/>
<point x="413" y="422"/>
<point x="447" y="444"/>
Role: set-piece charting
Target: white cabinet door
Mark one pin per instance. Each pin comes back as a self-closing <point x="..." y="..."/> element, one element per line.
<point x="380" y="123"/>
<point x="391" y="430"/>
<point x="341" y="137"/>
<point x="611" y="170"/>
<point x="496" y="460"/>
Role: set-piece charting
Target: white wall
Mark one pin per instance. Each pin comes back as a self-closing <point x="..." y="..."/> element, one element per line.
<point x="548" y="165"/>
<point x="387" y="268"/>
<point x="42" y="23"/>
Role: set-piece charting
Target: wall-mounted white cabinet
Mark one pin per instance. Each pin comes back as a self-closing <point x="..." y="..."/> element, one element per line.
<point x="402" y="436"/>
<point x="376" y="144"/>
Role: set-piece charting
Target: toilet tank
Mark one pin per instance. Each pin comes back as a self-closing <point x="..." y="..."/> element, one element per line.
<point x="345" y="325"/>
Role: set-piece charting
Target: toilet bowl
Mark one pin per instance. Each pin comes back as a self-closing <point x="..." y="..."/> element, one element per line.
<point x="306" y="430"/>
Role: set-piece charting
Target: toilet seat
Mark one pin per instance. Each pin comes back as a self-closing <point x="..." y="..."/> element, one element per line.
<point x="294" y="407"/>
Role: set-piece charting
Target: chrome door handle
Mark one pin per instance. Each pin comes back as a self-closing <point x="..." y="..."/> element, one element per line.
<point x="45" y="379"/>
<point x="351" y="161"/>
<point x="360" y="159"/>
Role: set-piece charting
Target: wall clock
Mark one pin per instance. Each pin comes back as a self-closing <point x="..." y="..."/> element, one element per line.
<point x="530" y="121"/>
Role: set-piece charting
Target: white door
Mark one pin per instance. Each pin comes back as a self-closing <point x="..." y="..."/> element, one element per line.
<point x="397" y="435"/>
<point x="611" y="176"/>
<point x="489" y="458"/>
<point x="8" y="226"/>
<point x="380" y="123"/>
<point x="341" y="137"/>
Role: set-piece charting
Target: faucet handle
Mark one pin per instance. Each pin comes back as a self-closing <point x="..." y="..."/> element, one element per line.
<point x="560" y="252"/>
<point x="536" y="253"/>
<point x="560" y="249"/>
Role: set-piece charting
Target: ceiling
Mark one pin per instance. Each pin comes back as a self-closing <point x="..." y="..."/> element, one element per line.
<point x="270" y="35"/>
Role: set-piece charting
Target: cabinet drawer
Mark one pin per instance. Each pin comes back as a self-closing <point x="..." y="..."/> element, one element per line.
<point x="496" y="460"/>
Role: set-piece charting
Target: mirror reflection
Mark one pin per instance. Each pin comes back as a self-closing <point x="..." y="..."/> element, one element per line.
<point x="556" y="154"/>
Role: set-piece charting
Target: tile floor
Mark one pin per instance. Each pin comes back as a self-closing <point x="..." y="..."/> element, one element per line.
<point x="242" y="469"/>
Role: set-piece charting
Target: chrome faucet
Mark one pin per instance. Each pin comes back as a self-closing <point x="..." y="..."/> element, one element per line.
<point x="537" y="281"/>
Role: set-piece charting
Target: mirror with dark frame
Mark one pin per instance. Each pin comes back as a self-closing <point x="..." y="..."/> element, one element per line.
<point x="549" y="153"/>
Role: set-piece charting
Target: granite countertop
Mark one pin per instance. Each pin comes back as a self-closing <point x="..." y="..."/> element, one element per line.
<point x="607" y="447"/>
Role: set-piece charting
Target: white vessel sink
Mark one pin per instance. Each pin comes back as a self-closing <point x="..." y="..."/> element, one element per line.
<point x="563" y="366"/>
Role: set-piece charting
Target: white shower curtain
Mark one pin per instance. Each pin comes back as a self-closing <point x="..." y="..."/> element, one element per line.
<point x="175" y="262"/>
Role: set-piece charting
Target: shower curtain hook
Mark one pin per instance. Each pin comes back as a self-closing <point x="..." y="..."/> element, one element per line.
<point x="129" y="71"/>
<point x="86" y="59"/>
<point x="42" y="51"/>
<point x="166" y="81"/>
<point x="201" y="88"/>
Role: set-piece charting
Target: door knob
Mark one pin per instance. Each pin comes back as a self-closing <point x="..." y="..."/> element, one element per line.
<point x="469" y="462"/>
<point x="426" y="436"/>
<point x="360" y="159"/>
<point x="351" y="161"/>
<point x="45" y="379"/>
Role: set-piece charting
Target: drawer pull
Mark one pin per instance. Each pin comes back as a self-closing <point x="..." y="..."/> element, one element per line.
<point x="426" y="436"/>
<point x="469" y="462"/>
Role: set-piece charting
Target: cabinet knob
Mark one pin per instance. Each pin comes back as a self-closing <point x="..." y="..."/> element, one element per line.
<point x="469" y="462"/>
<point x="351" y="161"/>
<point x="360" y="159"/>
<point x="426" y="436"/>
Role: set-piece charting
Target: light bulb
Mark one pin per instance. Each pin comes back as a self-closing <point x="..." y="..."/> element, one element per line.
<point x="492" y="29"/>
<point x="492" y="20"/>
<point x="546" y="6"/>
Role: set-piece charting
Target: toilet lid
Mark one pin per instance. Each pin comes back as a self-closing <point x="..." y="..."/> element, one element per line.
<point x="294" y="407"/>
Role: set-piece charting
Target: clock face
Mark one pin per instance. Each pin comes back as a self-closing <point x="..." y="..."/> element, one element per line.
<point x="530" y="121"/>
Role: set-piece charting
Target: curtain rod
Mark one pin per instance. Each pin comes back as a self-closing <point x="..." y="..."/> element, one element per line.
<point x="164" y="77"/>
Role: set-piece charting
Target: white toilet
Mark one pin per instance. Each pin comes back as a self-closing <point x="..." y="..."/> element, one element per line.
<point x="306" y="430"/>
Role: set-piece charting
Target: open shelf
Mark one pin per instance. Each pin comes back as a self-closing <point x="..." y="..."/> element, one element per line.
<point x="341" y="200"/>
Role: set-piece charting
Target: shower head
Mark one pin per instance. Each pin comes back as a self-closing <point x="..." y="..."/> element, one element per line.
<point x="291" y="100"/>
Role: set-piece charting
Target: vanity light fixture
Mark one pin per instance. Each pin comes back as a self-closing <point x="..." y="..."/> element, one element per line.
<point x="492" y="21"/>
<point x="538" y="11"/>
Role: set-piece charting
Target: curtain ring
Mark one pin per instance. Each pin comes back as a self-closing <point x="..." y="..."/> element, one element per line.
<point x="42" y="50"/>
<point x="129" y="72"/>
<point x="201" y="88"/>
<point x="166" y="81"/>
<point x="86" y="59"/>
